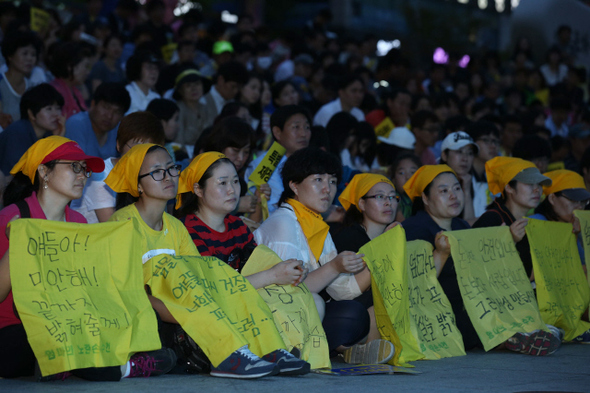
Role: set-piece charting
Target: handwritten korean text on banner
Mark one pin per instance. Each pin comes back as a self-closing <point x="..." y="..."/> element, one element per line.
<point x="496" y="291"/>
<point x="79" y="294"/>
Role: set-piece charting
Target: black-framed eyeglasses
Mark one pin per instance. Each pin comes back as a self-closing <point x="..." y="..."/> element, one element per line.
<point x="77" y="167"/>
<point x="160" y="174"/>
<point x="382" y="198"/>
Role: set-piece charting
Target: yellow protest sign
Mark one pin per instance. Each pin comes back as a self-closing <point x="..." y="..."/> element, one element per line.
<point x="79" y="294"/>
<point x="431" y="316"/>
<point x="39" y="19"/>
<point x="384" y="128"/>
<point x="267" y="166"/>
<point x="386" y="259"/>
<point x="584" y="217"/>
<point x="215" y="305"/>
<point x="496" y="291"/>
<point x="168" y="51"/>
<point x="294" y="311"/>
<point x="562" y="288"/>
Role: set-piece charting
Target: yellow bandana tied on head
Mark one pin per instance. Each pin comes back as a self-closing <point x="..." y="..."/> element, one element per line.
<point x="563" y="179"/>
<point x="313" y="226"/>
<point x="423" y="177"/>
<point x="194" y="172"/>
<point x="359" y="186"/>
<point x="34" y="156"/>
<point x="501" y="170"/>
<point x="123" y="176"/>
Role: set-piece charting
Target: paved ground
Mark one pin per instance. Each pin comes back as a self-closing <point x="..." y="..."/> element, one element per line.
<point x="568" y="370"/>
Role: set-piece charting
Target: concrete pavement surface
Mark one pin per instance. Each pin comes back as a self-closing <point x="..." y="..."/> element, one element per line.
<point x="568" y="370"/>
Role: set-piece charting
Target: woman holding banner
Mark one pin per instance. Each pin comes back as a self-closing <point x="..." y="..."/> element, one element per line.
<point x="149" y="176"/>
<point x="208" y="192"/>
<point x="438" y="199"/>
<point x="47" y="178"/>
<point x="297" y="230"/>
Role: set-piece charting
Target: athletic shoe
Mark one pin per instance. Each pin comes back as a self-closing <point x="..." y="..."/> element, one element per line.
<point x="288" y="364"/>
<point x="374" y="352"/>
<point x="583" y="338"/>
<point x="535" y="343"/>
<point x="154" y="363"/>
<point x="244" y="364"/>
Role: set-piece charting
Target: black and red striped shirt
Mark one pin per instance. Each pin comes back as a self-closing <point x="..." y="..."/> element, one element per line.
<point x="232" y="246"/>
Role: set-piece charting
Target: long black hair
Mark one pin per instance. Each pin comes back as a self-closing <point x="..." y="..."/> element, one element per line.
<point x="20" y="187"/>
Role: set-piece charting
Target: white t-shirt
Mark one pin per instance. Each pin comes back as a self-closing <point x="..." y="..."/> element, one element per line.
<point x="97" y="195"/>
<point x="282" y="233"/>
<point x="139" y="101"/>
<point x="330" y="109"/>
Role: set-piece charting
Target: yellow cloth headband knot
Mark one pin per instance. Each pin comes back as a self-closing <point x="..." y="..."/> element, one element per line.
<point x="34" y="156"/>
<point x="359" y="186"/>
<point x="415" y="186"/>
<point x="502" y="170"/>
<point x="125" y="173"/>
<point x="194" y="172"/>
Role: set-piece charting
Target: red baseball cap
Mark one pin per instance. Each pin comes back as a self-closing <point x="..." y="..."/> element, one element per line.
<point x="72" y="151"/>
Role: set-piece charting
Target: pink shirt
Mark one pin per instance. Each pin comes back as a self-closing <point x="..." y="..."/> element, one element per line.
<point x="73" y="100"/>
<point x="7" y="316"/>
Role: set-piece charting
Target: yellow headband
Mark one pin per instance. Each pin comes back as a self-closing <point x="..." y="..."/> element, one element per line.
<point x="34" y="156"/>
<point x="193" y="173"/>
<point x="501" y="170"/>
<point x="423" y="177"/>
<point x="359" y="186"/>
<point x="190" y="71"/>
<point x="123" y="176"/>
<point x="563" y="179"/>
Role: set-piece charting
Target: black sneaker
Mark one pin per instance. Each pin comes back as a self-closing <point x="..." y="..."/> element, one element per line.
<point x="154" y="363"/>
<point x="243" y="364"/>
<point x="287" y="362"/>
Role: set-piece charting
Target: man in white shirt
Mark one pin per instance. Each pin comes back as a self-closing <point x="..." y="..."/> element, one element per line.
<point x="350" y="96"/>
<point x="290" y="128"/>
<point x="230" y="78"/>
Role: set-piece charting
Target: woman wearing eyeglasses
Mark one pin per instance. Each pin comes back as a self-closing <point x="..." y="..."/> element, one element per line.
<point x="148" y="174"/>
<point x="566" y="193"/>
<point x="371" y="202"/>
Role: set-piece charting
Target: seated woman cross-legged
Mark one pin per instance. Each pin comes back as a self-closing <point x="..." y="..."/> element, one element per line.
<point x="150" y="178"/>
<point x="48" y="177"/>
<point x="296" y="230"/>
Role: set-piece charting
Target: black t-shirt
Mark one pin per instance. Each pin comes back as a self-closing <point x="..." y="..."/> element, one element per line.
<point x="350" y="238"/>
<point x="497" y="214"/>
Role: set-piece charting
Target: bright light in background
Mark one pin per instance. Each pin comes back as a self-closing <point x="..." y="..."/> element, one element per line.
<point x="514" y="3"/>
<point x="482" y="4"/>
<point x="183" y="7"/>
<point x="463" y="1"/>
<point x="376" y="85"/>
<point x="500" y="5"/>
<point x="440" y="56"/>
<point x="228" y="17"/>
<point x="464" y="61"/>
<point x="385" y="46"/>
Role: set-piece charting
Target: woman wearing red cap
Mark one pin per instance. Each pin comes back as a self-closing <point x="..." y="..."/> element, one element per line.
<point x="47" y="178"/>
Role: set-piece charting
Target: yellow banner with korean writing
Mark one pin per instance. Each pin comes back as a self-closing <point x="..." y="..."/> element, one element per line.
<point x="267" y="166"/>
<point x="386" y="259"/>
<point x="584" y="217"/>
<point x="39" y="20"/>
<point x="496" y="291"/>
<point x="294" y="312"/>
<point x="562" y="287"/>
<point x="431" y="316"/>
<point x="384" y="128"/>
<point x="79" y="294"/>
<point x="215" y="305"/>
